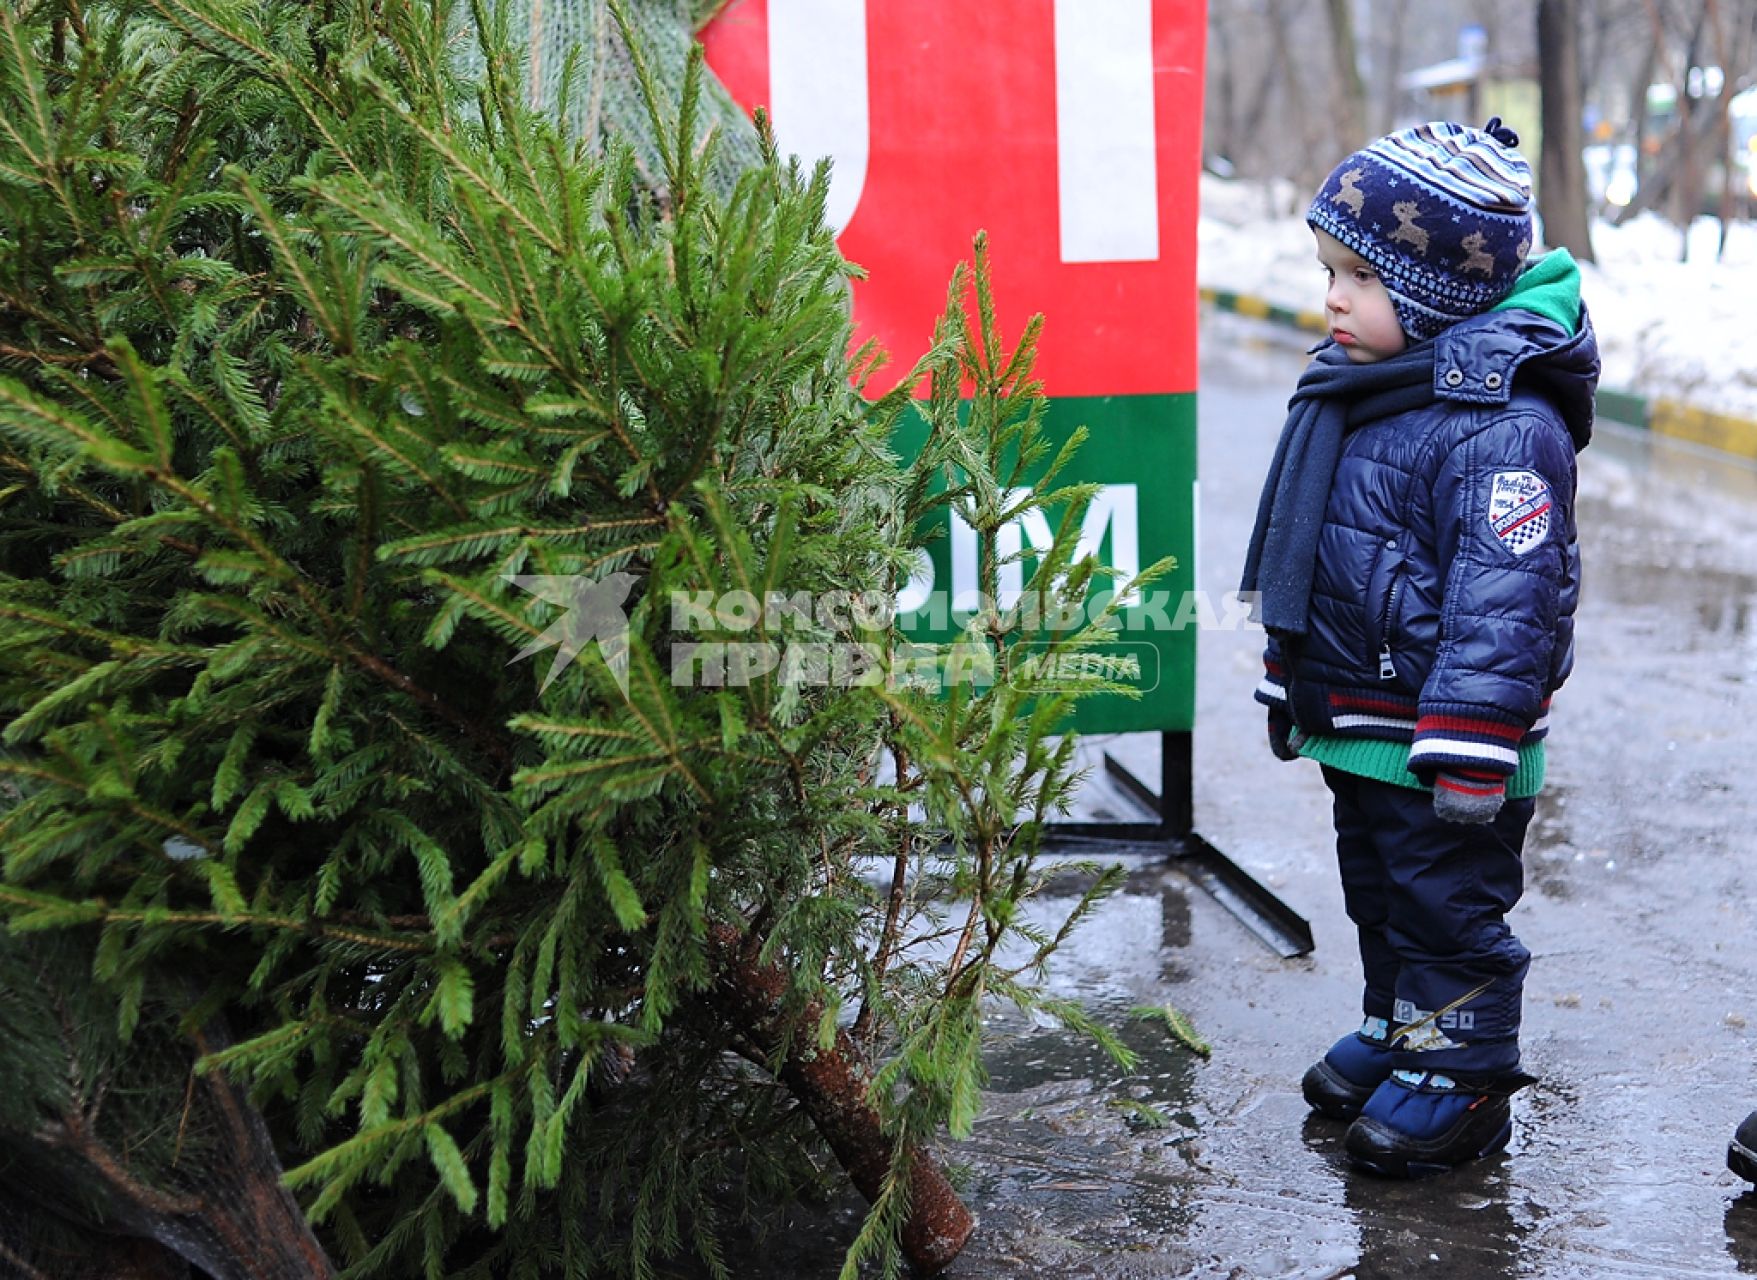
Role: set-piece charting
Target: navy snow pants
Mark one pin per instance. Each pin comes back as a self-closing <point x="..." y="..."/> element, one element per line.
<point x="1429" y="899"/>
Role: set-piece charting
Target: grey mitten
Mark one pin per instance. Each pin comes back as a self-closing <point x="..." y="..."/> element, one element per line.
<point x="1284" y="736"/>
<point x="1468" y="796"/>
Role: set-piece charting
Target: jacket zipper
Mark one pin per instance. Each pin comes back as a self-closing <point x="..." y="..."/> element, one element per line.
<point x="1387" y="670"/>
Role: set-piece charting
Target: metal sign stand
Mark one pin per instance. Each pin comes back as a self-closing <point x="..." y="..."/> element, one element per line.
<point x="1278" y="925"/>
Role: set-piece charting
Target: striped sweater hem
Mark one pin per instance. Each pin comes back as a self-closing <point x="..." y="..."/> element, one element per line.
<point x="1385" y="761"/>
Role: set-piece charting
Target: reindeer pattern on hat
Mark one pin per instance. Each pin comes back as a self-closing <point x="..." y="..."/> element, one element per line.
<point x="1406" y="212"/>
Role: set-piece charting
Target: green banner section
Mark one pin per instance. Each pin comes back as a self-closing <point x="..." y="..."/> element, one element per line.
<point x="1142" y="450"/>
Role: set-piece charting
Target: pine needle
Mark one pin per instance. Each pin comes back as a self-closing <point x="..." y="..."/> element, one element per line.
<point x="1178" y="1023"/>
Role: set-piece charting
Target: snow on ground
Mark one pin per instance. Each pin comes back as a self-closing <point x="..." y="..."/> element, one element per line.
<point x="1683" y="329"/>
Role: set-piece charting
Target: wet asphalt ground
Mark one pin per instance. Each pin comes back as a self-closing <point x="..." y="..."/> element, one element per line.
<point x="1641" y="1005"/>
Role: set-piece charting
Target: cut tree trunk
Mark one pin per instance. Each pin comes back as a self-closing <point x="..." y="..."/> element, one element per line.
<point x="832" y="1087"/>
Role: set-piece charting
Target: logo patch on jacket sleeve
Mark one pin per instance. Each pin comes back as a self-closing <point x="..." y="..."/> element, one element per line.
<point x="1519" y="510"/>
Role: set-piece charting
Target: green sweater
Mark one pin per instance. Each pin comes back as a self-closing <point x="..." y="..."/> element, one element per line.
<point x="1384" y="761"/>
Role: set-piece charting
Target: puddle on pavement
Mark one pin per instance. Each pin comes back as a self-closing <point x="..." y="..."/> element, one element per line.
<point x="1074" y="1149"/>
<point x="1073" y="1152"/>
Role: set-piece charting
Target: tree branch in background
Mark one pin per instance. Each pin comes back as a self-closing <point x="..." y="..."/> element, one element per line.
<point x="1680" y="163"/>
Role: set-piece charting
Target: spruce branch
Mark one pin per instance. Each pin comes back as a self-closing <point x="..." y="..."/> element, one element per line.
<point x="35" y="911"/>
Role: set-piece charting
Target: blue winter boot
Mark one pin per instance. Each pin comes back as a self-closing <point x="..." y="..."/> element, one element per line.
<point x="1741" y="1152"/>
<point x="1421" y="1122"/>
<point x="1339" y="1084"/>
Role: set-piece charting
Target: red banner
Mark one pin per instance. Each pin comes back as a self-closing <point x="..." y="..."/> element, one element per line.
<point x="1069" y="129"/>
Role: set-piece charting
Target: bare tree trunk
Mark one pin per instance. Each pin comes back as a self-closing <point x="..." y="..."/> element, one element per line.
<point x="1638" y="108"/>
<point x="1687" y="189"/>
<point x="1258" y="110"/>
<point x="1727" y="211"/>
<point x="1306" y="173"/>
<point x="1737" y="56"/>
<point x="1561" y="186"/>
<point x="832" y="1087"/>
<point x="1394" y="29"/>
<point x="1351" y="93"/>
<point x="1225" y="78"/>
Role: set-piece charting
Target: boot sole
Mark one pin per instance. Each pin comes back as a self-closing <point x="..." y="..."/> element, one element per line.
<point x="1330" y="1093"/>
<point x="1387" y="1168"/>
<point x="1393" y="1164"/>
<point x="1741" y="1160"/>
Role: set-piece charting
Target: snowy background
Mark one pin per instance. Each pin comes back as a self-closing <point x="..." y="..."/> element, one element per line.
<point x="1682" y="329"/>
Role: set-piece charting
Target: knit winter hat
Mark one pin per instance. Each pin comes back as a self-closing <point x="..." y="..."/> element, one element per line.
<point x="1443" y="214"/>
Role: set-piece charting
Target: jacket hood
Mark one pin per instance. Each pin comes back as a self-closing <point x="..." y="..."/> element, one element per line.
<point x="1550" y="286"/>
<point x="1523" y="345"/>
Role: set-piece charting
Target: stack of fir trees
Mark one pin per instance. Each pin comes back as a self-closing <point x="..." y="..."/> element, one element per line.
<point x="336" y="936"/>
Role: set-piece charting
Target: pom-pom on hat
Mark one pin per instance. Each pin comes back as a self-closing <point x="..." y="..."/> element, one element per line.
<point x="1441" y="211"/>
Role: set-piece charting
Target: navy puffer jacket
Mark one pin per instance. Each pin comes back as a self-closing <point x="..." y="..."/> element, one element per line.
<point x="1448" y="570"/>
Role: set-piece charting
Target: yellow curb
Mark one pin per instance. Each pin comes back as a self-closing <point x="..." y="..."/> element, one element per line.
<point x="1262" y="309"/>
<point x="1701" y="426"/>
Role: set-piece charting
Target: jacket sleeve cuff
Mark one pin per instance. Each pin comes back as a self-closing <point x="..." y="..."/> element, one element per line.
<point x="1453" y="737"/>
<point x="1272" y="689"/>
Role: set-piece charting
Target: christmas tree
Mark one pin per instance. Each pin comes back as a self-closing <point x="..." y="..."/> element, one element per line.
<point x="423" y="854"/>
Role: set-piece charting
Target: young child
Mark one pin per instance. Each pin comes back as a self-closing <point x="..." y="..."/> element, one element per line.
<point x="1417" y="571"/>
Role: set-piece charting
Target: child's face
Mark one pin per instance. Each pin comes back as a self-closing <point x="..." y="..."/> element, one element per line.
<point x="1362" y="318"/>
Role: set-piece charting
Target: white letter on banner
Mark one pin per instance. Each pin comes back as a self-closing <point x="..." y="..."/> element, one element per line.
<point x="1114" y="506"/>
<point x="1106" y="158"/>
<point x="916" y="591"/>
<point x="1031" y="526"/>
<point x="965" y="570"/>
<point x="817" y="92"/>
